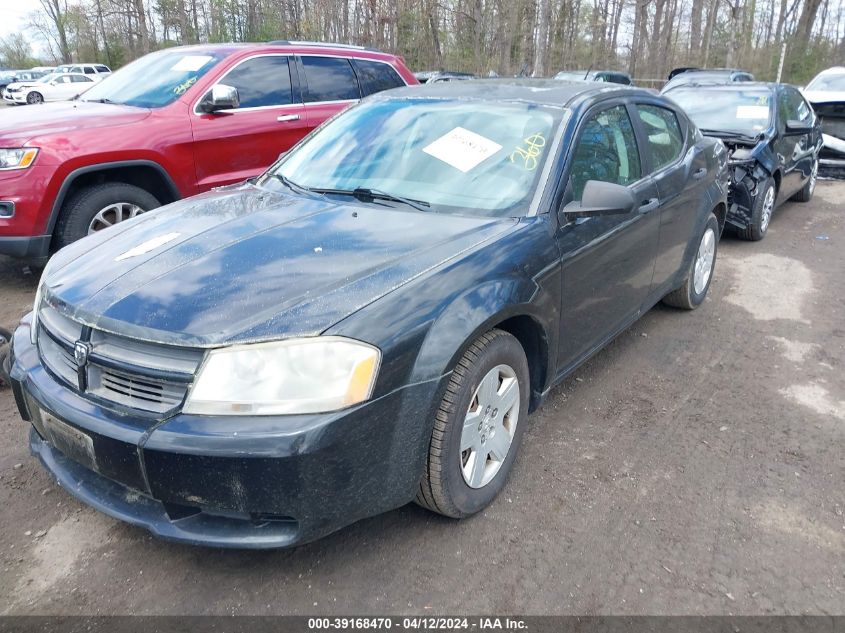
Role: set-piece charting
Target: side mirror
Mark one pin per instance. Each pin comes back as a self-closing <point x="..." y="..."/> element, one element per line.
<point x="797" y="127"/>
<point x="221" y="97"/>
<point x="600" y="198"/>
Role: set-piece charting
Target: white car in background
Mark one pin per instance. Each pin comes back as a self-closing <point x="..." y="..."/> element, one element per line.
<point x="95" y="71"/>
<point x="54" y="87"/>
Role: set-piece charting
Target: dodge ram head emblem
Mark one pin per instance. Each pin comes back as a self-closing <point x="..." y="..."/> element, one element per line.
<point x="81" y="351"/>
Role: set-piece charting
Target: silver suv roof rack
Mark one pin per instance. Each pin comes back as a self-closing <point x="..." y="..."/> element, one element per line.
<point x="326" y="44"/>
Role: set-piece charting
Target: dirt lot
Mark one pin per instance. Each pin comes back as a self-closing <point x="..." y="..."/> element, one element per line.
<point x="696" y="466"/>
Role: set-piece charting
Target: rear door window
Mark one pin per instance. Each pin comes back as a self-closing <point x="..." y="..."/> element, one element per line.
<point x="261" y="81"/>
<point x="376" y="76"/>
<point x="664" y="134"/>
<point x="329" y="79"/>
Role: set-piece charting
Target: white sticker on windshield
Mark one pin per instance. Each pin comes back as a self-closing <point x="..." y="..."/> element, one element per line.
<point x="752" y="112"/>
<point x="462" y="149"/>
<point x="191" y="63"/>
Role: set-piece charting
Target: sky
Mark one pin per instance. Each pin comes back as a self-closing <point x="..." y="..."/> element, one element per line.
<point x="14" y="15"/>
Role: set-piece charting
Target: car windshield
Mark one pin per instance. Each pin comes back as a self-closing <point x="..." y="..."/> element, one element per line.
<point x="745" y="112"/>
<point x="700" y="77"/>
<point x="449" y="155"/>
<point x="47" y="78"/>
<point x="155" y="80"/>
<point x="828" y="83"/>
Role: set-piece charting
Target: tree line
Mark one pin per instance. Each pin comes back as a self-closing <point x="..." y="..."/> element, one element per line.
<point x="646" y="38"/>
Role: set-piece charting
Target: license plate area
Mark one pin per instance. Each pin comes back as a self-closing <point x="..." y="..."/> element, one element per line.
<point x="70" y="441"/>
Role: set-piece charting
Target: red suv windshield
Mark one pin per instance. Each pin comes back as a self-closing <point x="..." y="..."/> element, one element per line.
<point x="155" y="80"/>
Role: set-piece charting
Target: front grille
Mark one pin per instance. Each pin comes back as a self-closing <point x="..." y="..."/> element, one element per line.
<point x="144" y="376"/>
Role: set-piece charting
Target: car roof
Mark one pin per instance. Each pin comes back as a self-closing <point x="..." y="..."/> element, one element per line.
<point x="734" y="86"/>
<point x="541" y="91"/>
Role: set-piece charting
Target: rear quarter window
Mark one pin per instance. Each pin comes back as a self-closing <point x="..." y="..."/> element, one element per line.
<point x="376" y="76"/>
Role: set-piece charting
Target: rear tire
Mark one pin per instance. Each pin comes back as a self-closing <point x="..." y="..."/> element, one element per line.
<point x="79" y="212"/>
<point x="694" y="289"/>
<point x="761" y="214"/>
<point x="806" y="192"/>
<point x="477" y="428"/>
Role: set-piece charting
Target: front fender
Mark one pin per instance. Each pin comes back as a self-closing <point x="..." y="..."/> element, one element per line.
<point x="479" y="310"/>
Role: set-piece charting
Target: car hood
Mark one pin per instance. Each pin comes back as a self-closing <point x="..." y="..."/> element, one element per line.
<point x="20" y="125"/>
<point x="824" y="96"/>
<point x="246" y="265"/>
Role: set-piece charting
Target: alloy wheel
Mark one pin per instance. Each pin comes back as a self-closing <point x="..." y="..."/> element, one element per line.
<point x="768" y="208"/>
<point x="113" y="214"/>
<point x="489" y="426"/>
<point x="814" y="176"/>
<point x="704" y="261"/>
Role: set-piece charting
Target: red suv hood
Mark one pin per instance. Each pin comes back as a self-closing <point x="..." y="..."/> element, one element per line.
<point x="21" y="124"/>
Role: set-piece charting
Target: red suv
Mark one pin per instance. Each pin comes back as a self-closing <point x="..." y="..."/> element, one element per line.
<point x="171" y="124"/>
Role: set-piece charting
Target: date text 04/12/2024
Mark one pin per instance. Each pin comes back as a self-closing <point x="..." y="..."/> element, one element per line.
<point x="417" y="623"/>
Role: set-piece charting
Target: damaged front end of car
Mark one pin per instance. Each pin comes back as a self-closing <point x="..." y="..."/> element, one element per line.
<point x="832" y="118"/>
<point x="748" y="173"/>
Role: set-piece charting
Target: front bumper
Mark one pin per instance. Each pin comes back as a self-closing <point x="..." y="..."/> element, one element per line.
<point x="35" y="247"/>
<point x="270" y="481"/>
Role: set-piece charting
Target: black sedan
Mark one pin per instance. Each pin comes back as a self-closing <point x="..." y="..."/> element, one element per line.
<point x="774" y="140"/>
<point x="371" y="321"/>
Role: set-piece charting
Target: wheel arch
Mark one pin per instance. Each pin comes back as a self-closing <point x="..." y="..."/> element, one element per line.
<point x="146" y="174"/>
<point x="521" y="320"/>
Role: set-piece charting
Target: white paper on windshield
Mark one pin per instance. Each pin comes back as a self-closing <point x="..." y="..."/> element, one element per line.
<point x="462" y="149"/>
<point x="752" y="112"/>
<point x="190" y="63"/>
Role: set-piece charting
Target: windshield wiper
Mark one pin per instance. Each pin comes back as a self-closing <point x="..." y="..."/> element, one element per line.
<point x="368" y="195"/>
<point x="290" y="184"/>
<point x="103" y="100"/>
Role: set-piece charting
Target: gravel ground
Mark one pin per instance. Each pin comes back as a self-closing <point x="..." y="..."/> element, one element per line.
<point x="695" y="466"/>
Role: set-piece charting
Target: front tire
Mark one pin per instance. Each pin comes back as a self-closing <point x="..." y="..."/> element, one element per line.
<point x="100" y="206"/>
<point x="761" y="213"/>
<point x="477" y="428"/>
<point x="691" y="294"/>
<point x="34" y="98"/>
<point x="806" y="192"/>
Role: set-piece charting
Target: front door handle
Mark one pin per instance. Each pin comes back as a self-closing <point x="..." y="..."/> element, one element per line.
<point x="649" y="205"/>
<point x="287" y="117"/>
<point x="698" y="174"/>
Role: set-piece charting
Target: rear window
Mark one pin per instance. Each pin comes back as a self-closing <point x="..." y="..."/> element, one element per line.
<point x="376" y="76"/>
<point x="330" y="79"/>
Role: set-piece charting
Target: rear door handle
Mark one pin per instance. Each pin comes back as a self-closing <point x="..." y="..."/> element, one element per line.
<point x="698" y="174"/>
<point x="649" y="205"/>
<point x="287" y="117"/>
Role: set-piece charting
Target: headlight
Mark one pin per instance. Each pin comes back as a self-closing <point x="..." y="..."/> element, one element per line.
<point x="33" y="332"/>
<point x="19" y="158"/>
<point x="310" y="375"/>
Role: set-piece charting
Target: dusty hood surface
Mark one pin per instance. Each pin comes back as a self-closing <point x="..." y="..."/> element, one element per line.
<point x="21" y="124"/>
<point x="247" y="264"/>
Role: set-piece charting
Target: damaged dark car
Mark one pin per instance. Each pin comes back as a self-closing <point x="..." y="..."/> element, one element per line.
<point x="773" y="138"/>
<point x="370" y="322"/>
